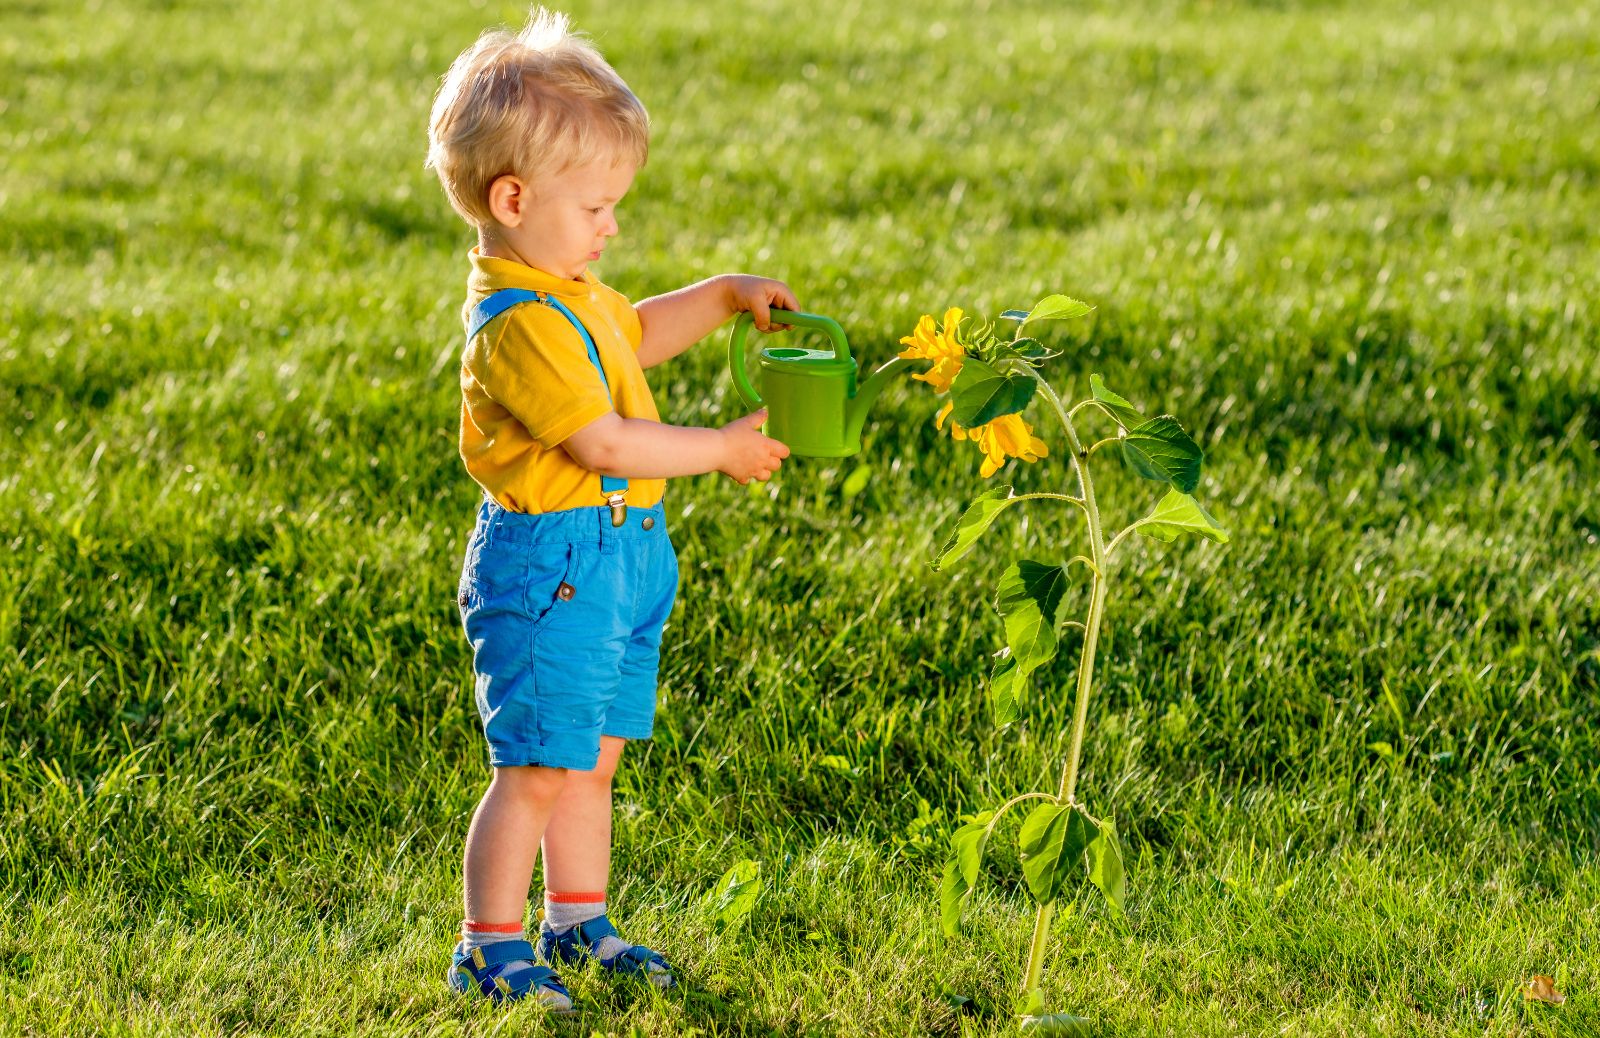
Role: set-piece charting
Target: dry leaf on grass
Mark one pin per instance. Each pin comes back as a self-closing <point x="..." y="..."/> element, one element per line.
<point x="1542" y="989"/>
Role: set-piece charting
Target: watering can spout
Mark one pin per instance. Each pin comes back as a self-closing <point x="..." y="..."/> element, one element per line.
<point x="866" y="394"/>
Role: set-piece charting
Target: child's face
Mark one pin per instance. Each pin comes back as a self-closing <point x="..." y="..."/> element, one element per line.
<point x="565" y="222"/>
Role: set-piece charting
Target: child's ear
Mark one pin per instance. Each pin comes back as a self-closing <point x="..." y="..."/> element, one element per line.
<point x="508" y="200"/>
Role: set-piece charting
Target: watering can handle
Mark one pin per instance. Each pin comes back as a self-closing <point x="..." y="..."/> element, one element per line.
<point x="741" y="330"/>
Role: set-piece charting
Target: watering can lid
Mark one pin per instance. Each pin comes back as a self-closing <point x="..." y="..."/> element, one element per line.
<point x="808" y="358"/>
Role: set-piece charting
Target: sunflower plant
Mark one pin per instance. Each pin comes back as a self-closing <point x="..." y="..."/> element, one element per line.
<point x="990" y="379"/>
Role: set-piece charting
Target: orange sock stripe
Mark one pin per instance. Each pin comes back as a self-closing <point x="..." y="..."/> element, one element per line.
<point x="575" y="897"/>
<point x="477" y="927"/>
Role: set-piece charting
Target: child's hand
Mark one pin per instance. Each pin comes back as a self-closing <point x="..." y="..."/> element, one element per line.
<point x="759" y="296"/>
<point x="746" y="453"/>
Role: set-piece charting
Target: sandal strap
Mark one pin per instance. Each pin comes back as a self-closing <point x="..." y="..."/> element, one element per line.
<point x="498" y="978"/>
<point x="515" y="982"/>
<point x="591" y="932"/>
<point x="535" y="976"/>
<point x="636" y="959"/>
<point x="499" y="953"/>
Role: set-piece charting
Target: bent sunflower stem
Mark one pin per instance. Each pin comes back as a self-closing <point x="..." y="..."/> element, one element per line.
<point x="1093" y="403"/>
<point x="1009" y="804"/>
<point x="1050" y="497"/>
<point x="1123" y="535"/>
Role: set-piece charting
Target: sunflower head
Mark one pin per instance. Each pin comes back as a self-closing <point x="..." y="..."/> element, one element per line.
<point x="939" y="343"/>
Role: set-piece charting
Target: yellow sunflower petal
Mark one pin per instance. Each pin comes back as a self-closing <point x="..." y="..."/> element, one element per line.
<point x="921" y="343"/>
<point x="942" y="374"/>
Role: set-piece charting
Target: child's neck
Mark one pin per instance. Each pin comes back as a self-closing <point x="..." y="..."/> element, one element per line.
<point x="496" y="247"/>
<point x="493" y="245"/>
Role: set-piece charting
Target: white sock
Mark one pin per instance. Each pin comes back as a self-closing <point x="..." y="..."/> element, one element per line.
<point x="478" y="935"/>
<point x="563" y="915"/>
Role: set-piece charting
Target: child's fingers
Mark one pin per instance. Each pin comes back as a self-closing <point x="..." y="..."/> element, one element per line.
<point x="784" y="299"/>
<point x="762" y="314"/>
<point x="777" y="450"/>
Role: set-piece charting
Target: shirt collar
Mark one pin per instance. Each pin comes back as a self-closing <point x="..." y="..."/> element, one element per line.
<point x="490" y="274"/>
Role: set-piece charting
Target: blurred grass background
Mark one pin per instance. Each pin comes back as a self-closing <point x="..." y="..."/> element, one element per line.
<point x="1353" y="753"/>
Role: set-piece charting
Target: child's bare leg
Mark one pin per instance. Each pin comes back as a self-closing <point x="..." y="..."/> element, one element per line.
<point x="577" y="841"/>
<point x="503" y="842"/>
<point x="497" y="868"/>
<point x="577" y="866"/>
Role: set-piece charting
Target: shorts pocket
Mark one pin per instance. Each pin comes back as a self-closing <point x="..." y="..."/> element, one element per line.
<point x="551" y="582"/>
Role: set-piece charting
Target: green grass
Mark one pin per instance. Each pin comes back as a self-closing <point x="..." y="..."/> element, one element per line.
<point x="1348" y="245"/>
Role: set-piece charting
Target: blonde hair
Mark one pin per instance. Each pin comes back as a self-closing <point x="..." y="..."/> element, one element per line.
<point x="531" y="104"/>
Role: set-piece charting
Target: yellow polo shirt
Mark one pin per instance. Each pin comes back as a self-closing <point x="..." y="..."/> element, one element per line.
<point x="527" y="384"/>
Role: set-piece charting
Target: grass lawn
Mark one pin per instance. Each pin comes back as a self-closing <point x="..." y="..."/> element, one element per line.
<point x="1353" y="754"/>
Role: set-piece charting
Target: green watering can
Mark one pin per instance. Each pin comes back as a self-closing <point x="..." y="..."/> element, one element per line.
<point x="812" y="400"/>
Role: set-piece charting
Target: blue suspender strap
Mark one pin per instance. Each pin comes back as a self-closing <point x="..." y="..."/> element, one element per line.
<point x="609" y="485"/>
<point x="497" y="303"/>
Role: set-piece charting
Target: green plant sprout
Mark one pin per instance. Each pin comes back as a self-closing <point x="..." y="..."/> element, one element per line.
<point x="990" y="380"/>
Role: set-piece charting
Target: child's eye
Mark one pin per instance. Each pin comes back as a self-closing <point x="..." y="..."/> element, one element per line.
<point x="597" y="210"/>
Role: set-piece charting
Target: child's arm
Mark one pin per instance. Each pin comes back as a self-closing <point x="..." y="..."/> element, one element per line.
<point x="637" y="448"/>
<point x="673" y="322"/>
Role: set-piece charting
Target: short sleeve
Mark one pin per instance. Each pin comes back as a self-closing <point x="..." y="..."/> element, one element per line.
<point x="537" y="367"/>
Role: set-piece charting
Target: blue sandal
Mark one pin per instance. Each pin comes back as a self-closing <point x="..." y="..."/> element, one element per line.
<point x="582" y="942"/>
<point x="488" y="970"/>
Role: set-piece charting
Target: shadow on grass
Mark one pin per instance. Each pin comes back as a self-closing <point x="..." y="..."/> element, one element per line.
<point x="690" y="1007"/>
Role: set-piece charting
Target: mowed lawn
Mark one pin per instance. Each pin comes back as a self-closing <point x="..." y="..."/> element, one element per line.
<point x="1353" y="753"/>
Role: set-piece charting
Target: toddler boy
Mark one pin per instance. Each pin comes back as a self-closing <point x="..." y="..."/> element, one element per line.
<point x="569" y="573"/>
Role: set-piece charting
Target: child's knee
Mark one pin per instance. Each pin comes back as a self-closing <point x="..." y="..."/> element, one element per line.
<point x="531" y="784"/>
<point x="600" y="775"/>
<point x="605" y="767"/>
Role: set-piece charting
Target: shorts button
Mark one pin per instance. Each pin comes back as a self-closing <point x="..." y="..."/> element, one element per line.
<point x="648" y="523"/>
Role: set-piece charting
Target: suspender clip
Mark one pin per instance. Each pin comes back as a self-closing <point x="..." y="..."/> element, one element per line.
<point x="619" y="507"/>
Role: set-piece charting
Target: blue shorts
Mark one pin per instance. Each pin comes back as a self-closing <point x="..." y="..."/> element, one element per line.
<point x="564" y="613"/>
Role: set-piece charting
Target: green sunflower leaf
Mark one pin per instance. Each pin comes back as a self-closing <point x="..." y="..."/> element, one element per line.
<point x="981" y="394"/>
<point x="1057" y="308"/>
<point x="1127" y="415"/>
<point x="1029" y="600"/>
<point x="1105" y="867"/>
<point x="973" y="522"/>
<point x="1179" y="513"/>
<point x="1007" y="682"/>
<point x="961" y="871"/>
<point x="1159" y="449"/>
